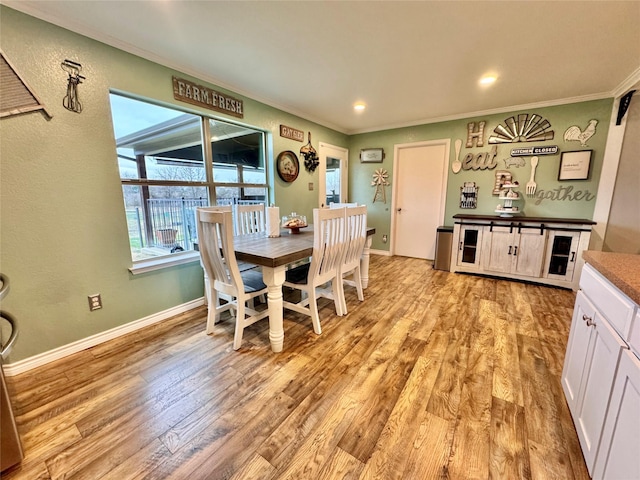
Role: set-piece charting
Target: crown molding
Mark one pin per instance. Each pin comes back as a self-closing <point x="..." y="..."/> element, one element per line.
<point x="629" y="83"/>
<point x="480" y="113"/>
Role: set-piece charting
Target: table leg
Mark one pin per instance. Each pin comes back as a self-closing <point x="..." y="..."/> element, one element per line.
<point x="273" y="278"/>
<point x="364" y="262"/>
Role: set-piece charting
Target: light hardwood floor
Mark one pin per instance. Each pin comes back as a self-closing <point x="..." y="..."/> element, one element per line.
<point x="435" y="375"/>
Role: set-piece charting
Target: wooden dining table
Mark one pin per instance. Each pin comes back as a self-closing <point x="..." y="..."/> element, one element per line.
<point x="273" y="254"/>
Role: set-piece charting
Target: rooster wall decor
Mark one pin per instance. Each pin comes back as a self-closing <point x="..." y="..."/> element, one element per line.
<point x="574" y="134"/>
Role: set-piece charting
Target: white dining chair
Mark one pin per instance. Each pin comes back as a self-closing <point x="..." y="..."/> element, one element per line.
<point x="328" y="242"/>
<point x="250" y="219"/>
<point x="215" y="236"/>
<point x="341" y="205"/>
<point x="356" y="236"/>
<point x="214" y="208"/>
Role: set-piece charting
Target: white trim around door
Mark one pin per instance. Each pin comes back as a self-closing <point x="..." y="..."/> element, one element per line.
<point x="446" y="143"/>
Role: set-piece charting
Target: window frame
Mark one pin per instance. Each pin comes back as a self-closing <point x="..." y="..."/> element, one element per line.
<point x="189" y="256"/>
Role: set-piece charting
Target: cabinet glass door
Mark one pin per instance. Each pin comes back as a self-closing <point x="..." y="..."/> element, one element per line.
<point x="560" y="251"/>
<point x="470" y="246"/>
<point x="561" y="254"/>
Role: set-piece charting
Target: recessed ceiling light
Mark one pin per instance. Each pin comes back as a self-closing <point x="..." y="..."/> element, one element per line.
<point x="488" y="79"/>
<point x="359" y="107"/>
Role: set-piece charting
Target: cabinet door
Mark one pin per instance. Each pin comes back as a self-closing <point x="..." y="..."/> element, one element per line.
<point x="603" y="353"/>
<point x="497" y="249"/>
<point x="469" y="246"/>
<point x="618" y="456"/>
<point x="528" y="252"/>
<point x="561" y="256"/>
<point x="577" y="350"/>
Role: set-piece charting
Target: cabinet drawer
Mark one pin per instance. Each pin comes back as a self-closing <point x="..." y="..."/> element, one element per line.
<point x="614" y="305"/>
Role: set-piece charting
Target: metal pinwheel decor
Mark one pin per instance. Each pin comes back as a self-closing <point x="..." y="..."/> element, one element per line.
<point x="380" y="181"/>
<point x="310" y="156"/>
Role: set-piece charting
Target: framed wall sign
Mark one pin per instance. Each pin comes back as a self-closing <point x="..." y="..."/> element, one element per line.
<point x="371" y="155"/>
<point x="575" y="165"/>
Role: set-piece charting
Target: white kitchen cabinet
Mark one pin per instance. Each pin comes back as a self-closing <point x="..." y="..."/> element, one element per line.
<point x="577" y="349"/>
<point x="513" y="249"/>
<point x="601" y="379"/>
<point x="518" y="248"/>
<point x="592" y="356"/>
<point x="619" y="453"/>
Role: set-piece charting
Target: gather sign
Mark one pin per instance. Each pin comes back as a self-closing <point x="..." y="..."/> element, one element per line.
<point x="202" y="96"/>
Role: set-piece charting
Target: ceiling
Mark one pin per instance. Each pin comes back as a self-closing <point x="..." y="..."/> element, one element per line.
<point x="409" y="62"/>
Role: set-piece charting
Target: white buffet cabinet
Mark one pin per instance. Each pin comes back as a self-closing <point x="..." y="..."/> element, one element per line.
<point x="538" y="249"/>
<point x="601" y="377"/>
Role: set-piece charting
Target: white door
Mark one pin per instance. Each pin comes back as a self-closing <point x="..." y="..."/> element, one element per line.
<point x="419" y="186"/>
<point x="333" y="168"/>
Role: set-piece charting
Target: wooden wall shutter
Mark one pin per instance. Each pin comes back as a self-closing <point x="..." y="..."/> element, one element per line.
<point x="15" y="95"/>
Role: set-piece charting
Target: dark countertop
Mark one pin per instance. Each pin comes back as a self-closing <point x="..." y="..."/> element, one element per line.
<point x="522" y="218"/>
<point x="621" y="269"/>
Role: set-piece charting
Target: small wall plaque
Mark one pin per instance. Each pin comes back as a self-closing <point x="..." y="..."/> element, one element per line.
<point x="291" y="133"/>
<point x="371" y="155"/>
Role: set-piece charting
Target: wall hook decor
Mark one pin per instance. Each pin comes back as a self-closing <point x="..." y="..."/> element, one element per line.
<point x="310" y="156"/>
<point x="71" y="101"/>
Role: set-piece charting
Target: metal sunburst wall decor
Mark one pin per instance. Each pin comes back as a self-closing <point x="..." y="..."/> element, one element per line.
<point x="522" y="128"/>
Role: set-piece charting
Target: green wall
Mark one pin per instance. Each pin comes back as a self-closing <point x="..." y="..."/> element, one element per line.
<point x="560" y="117"/>
<point x="63" y="232"/>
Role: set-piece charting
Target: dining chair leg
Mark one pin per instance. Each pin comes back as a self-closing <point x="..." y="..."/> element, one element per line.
<point x="237" y="337"/>
<point x="313" y="307"/>
<point x="213" y="316"/>
<point x="357" y="278"/>
<point x="338" y="296"/>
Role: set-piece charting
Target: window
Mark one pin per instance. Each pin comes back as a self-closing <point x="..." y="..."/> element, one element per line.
<point x="166" y="172"/>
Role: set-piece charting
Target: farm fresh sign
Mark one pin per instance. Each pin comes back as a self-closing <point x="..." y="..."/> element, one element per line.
<point x="199" y="95"/>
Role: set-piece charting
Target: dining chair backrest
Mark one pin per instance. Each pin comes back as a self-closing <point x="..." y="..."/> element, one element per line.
<point x="356" y="236"/>
<point x="215" y="236"/>
<point x="341" y="205"/>
<point x="250" y="219"/>
<point x="328" y="242"/>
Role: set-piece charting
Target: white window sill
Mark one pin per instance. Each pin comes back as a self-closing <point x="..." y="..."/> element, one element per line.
<point x="144" y="266"/>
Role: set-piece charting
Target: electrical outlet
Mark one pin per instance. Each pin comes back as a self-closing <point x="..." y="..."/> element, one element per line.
<point x="95" y="302"/>
<point x="384" y="238"/>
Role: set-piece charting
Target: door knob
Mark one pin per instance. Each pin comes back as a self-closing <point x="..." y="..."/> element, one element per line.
<point x="398" y="210"/>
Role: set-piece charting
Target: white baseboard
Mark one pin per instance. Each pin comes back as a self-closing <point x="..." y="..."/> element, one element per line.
<point x="385" y="253"/>
<point x="27" y="364"/>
